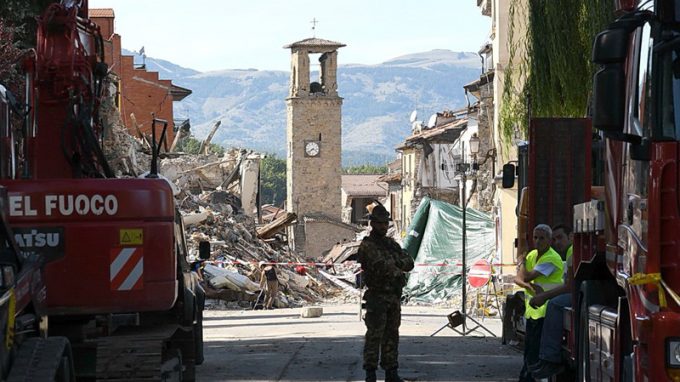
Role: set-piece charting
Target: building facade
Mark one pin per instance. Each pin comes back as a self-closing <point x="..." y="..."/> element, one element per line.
<point x="140" y="93"/>
<point x="498" y="53"/>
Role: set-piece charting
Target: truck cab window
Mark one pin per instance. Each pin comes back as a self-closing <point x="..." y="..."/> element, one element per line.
<point x="639" y="123"/>
<point x="669" y="93"/>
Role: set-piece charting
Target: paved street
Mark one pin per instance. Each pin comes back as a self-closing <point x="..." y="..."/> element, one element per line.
<point x="278" y="345"/>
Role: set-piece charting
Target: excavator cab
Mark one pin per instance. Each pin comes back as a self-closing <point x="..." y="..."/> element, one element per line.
<point x="10" y="114"/>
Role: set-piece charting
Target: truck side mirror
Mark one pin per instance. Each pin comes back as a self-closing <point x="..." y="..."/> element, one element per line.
<point x="609" y="50"/>
<point x="609" y="98"/>
<point x="508" y="175"/>
<point x="204" y="250"/>
<point x="610" y="46"/>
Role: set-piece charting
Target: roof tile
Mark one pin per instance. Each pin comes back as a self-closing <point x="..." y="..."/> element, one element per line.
<point x="101" y="12"/>
<point x="315" y="43"/>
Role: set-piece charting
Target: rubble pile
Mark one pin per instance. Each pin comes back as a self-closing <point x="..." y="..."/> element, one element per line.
<point x="236" y="248"/>
<point x="207" y="190"/>
<point x="195" y="173"/>
<point x="126" y="155"/>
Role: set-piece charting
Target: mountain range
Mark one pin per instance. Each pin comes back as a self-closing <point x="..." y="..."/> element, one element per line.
<point x="378" y="100"/>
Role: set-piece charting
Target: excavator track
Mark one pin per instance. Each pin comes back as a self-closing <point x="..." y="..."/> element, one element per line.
<point x="134" y="354"/>
<point x="43" y="359"/>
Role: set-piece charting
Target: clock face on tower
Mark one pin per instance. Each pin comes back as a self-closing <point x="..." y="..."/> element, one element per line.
<point x="312" y="148"/>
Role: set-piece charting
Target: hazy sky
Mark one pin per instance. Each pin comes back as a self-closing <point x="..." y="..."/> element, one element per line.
<point x="238" y="34"/>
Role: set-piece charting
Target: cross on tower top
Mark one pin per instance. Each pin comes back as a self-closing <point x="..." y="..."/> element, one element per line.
<point x="314" y="22"/>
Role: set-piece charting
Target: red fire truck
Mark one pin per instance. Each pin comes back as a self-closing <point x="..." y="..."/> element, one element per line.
<point x="626" y="313"/>
<point x="624" y="324"/>
<point x="118" y="284"/>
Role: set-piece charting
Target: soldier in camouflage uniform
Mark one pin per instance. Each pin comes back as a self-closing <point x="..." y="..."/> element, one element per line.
<point x="383" y="262"/>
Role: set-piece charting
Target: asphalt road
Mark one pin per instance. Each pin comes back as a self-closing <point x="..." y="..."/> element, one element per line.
<point x="279" y="345"/>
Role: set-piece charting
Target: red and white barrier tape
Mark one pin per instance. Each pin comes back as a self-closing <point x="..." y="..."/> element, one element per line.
<point x="359" y="271"/>
<point x="314" y="264"/>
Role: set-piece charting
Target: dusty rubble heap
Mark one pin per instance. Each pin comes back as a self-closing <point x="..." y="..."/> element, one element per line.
<point x="206" y="189"/>
<point x="236" y="248"/>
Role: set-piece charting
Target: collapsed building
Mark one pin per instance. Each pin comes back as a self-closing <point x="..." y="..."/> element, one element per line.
<point x="216" y="195"/>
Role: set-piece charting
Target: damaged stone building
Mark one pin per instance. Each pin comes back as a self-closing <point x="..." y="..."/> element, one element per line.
<point x="428" y="161"/>
<point x="358" y="191"/>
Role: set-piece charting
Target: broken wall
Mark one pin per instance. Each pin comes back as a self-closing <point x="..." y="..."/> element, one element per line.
<point x="321" y="236"/>
<point x="250" y="182"/>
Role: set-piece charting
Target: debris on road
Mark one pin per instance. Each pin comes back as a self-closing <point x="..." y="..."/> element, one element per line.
<point x="311" y="312"/>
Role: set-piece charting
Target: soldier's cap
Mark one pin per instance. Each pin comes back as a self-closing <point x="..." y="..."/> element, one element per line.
<point x="379" y="214"/>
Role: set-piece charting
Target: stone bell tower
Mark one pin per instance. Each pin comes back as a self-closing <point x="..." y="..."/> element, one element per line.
<point x="314" y="131"/>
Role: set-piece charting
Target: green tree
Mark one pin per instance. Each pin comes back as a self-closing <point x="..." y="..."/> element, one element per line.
<point x="191" y="145"/>
<point x="365" y="169"/>
<point x="272" y="180"/>
<point x="17" y="33"/>
<point x="21" y="14"/>
<point x="9" y="57"/>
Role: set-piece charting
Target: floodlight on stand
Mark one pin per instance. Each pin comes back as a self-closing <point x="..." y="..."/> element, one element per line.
<point x="459" y="317"/>
<point x="474" y="144"/>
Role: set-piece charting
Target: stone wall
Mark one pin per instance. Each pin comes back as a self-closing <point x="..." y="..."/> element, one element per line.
<point x="314" y="183"/>
<point x="485" y="185"/>
<point x="409" y="167"/>
<point x="321" y="236"/>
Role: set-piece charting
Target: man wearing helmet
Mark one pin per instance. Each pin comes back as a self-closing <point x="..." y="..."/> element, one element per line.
<point x="384" y="264"/>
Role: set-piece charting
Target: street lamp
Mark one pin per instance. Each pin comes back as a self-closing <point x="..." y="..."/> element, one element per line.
<point x="474" y="145"/>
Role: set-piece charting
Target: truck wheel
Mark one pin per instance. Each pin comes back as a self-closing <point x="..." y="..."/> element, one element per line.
<point x="583" y="365"/>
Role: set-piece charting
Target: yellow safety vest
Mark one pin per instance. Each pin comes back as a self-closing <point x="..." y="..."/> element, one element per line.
<point x="567" y="262"/>
<point x="546" y="282"/>
<point x="570" y="252"/>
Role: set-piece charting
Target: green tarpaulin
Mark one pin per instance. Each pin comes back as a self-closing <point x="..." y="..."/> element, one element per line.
<point x="441" y="243"/>
<point x="415" y="230"/>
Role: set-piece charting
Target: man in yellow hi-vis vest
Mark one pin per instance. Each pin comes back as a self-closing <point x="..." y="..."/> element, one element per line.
<point x="540" y="271"/>
<point x="550" y="353"/>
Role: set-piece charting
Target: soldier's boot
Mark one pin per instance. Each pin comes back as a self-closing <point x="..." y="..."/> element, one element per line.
<point x="392" y="376"/>
<point x="370" y="375"/>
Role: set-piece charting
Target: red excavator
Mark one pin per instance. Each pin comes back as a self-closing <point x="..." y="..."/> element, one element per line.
<point x="118" y="284"/>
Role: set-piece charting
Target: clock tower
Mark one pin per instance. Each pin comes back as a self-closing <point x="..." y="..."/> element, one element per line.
<point x="314" y="131"/>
